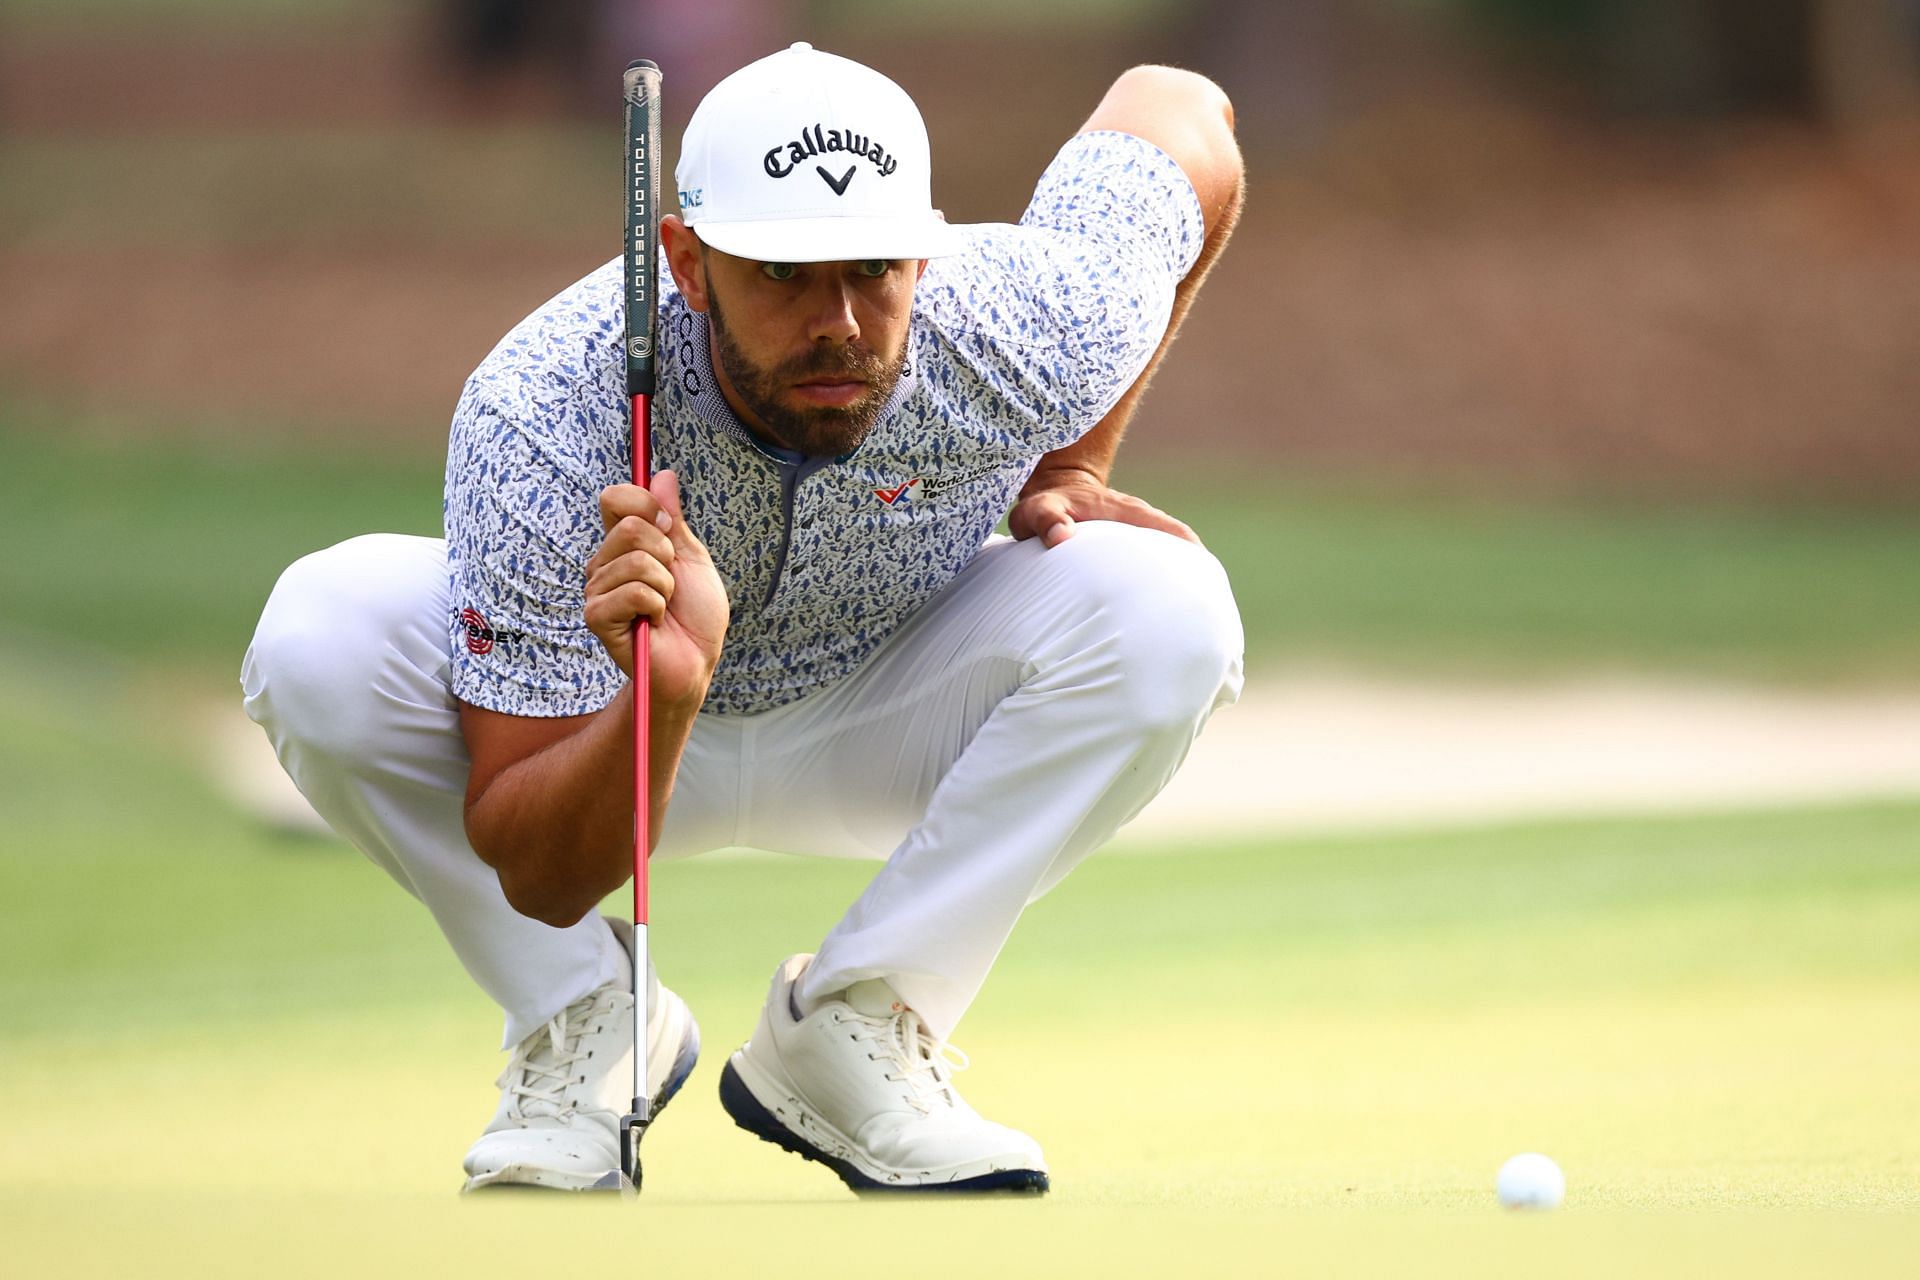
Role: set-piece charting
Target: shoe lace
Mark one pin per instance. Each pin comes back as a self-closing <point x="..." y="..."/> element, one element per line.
<point x="542" y="1067"/>
<point x="920" y="1060"/>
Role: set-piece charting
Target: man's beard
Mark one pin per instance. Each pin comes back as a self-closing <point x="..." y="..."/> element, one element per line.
<point x="819" y="430"/>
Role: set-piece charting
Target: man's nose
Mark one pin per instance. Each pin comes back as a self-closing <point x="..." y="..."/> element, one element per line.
<point x="830" y="317"/>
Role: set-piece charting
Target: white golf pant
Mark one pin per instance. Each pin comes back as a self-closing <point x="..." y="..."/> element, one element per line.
<point x="1021" y="718"/>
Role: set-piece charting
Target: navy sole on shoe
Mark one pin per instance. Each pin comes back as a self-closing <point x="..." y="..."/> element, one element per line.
<point x="677" y="1074"/>
<point x="749" y="1113"/>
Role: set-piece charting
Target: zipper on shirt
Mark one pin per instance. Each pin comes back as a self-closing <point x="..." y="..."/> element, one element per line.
<point x="794" y="468"/>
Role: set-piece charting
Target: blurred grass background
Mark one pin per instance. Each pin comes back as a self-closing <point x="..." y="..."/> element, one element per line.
<point x="191" y="535"/>
<point x="1558" y="337"/>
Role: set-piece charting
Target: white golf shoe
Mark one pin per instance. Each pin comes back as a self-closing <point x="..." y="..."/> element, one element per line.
<point x="861" y="1086"/>
<point x="568" y="1084"/>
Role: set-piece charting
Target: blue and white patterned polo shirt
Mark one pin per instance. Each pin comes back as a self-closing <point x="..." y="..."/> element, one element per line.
<point x="1018" y="346"/>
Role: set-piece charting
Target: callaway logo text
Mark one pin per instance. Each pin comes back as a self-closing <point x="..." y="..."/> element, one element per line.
<point x="788" y="156"/>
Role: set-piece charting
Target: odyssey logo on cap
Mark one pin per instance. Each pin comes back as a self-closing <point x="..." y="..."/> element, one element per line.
<point x="812" y="114"/>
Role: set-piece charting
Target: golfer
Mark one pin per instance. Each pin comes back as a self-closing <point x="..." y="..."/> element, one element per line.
<point x="846" y="661"/>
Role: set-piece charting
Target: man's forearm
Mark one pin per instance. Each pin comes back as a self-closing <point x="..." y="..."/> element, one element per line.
<point x="558" y="825"/>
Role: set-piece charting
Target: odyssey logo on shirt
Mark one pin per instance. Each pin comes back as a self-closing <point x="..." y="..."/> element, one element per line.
<point x="481" y="637"/>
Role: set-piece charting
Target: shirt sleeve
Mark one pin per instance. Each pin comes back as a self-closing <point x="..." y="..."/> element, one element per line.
<point x="1061" y="313"/>
<point x="1126" y="195"/>
<point x="522" y="519"/>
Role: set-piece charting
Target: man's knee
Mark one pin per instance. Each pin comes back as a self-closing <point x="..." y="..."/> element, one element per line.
<point x="312" y="671"/>
<point x="1172" y="623"/>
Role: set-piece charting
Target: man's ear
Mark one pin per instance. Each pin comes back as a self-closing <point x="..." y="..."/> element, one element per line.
<point x="684" y="252"/>
<point x="919" y="271"/>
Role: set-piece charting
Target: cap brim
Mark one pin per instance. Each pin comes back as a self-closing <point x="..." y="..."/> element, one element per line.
<point x="832" y="239"/>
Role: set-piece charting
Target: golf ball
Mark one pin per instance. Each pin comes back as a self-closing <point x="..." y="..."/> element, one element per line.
<point x="1531" y="1181"/>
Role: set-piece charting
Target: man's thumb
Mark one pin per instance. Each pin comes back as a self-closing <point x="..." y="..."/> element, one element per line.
<point x="666" y="491"/>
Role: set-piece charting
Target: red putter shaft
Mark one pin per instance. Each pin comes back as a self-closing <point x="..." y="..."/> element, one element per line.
<point x="642" y="418"/>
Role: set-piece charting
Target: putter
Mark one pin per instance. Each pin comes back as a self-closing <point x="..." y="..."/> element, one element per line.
<point x="642" y="92"/>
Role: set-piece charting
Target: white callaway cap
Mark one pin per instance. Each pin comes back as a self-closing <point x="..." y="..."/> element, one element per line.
<point x="808" y="157"/>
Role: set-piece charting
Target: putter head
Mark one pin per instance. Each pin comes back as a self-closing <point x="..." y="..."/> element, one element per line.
<point x="627" y="1181"/>
<point x="616" y="1181"/>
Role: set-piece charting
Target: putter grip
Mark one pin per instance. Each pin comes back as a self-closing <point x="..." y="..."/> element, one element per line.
<point x="642" y="88"/>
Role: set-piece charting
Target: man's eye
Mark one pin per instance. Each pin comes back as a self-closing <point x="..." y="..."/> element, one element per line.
<point x="874" y="268"/>
<point x="779" y="270"/>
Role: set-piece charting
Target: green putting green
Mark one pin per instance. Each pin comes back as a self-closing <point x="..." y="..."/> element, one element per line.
<point x="232" y="1052"/>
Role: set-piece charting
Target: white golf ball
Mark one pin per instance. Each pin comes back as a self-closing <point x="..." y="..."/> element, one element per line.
<point x="1531" y="1181"/>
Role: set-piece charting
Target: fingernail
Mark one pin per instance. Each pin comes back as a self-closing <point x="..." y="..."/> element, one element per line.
<point x="665" y="522"/>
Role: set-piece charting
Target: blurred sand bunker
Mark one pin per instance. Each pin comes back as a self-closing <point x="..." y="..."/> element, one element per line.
<point x="1308" y="753"/>
<point x="1311" y="753"/>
